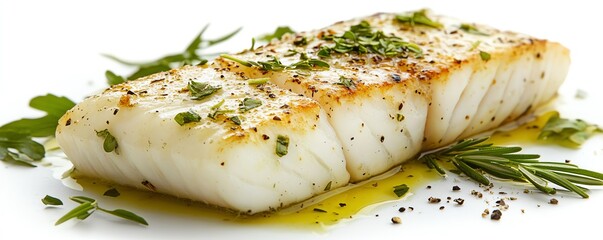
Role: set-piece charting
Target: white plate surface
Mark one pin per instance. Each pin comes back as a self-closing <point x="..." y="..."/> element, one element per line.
<point x="55" y="46"/>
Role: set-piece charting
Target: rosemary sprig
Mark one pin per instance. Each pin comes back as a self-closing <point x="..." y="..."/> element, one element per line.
<point x="473" y="157"/>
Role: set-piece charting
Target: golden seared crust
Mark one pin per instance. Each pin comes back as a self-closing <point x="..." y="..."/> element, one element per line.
<point x="166" y="94"/>
<point x="444" y="50"/>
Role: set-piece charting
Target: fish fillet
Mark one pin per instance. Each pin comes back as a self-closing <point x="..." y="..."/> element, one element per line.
<point x="356" y="117"/>
<point x="400" y="106"/>
<point x="215" y="160"/>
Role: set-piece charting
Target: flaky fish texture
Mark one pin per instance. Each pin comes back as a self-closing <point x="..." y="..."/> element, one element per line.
<point x="347" y="115"/>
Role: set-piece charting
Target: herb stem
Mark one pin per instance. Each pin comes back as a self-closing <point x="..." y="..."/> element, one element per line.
<point x="239" y="61"/>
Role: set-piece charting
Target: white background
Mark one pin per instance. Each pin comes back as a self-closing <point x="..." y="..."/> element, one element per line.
<point x="55" y="46"/>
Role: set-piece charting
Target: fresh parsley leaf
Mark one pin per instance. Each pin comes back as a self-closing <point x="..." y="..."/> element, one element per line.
<point x="200" y="90"/>
<point x="19" y="148"/>
<point x="55" y="107"/>
<point x="278" y="34"/>
<point x="347" y="82"/>
<point x="16" y="144"/>
<point x="400" y="190"/>
<point x="113" y="78"/>
<point x="235" y="119"/>
<point x="112" y="192"/>
<point x="282" y="145"/>
<point x="109" y="143"/>
<point x="567" y="132"/>
<point x="300" y="41"/>
<point x="187" y="117"/>
<point x="249" y="103"/>
<point x="52" y="201"/>
<point x="484" y="55"/>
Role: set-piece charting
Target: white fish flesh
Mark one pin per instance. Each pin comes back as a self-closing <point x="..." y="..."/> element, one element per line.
<point x="214" y="160"/>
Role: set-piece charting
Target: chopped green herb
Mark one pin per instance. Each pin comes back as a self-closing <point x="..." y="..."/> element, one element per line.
<point x="328" y="187"/>
<point x="112" y="192"/>
<point x="190" y="56"/>
<point x="291" y="52"/>
<point x="484" y="55"/>
<point x="419" y="18"/>
<point x="324" y="52"/>
<point x="200" y="90"/>
<point x="187" y="117"/>
<point x="235" y="119"/>
<point x="217" y="111"/>
<point x="88" y="206"/>
<point x="52" y="201"/>
<point x="400" y="190"/>
<point x="300" y="41"/>
<point x="282" y="145"/>
<point x="278" y="34"/>
<point x="469" y="28"/>
<point x="309" y="64"/>
<point x="346" y="82"/>
<point x="257" y="81"/>
<point x="361" y="39"/>
<point x="567" y="132"/>
<point x="475" y="45"/>
<point x="276" y="65"/>
<point x="218" y="105"/>
<point x="249" y="103"/>
<point x="469" y="155"/>
<point x="319" y="210"/>
<point x="400" y="117"/>
<point x="109" y="143"/>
